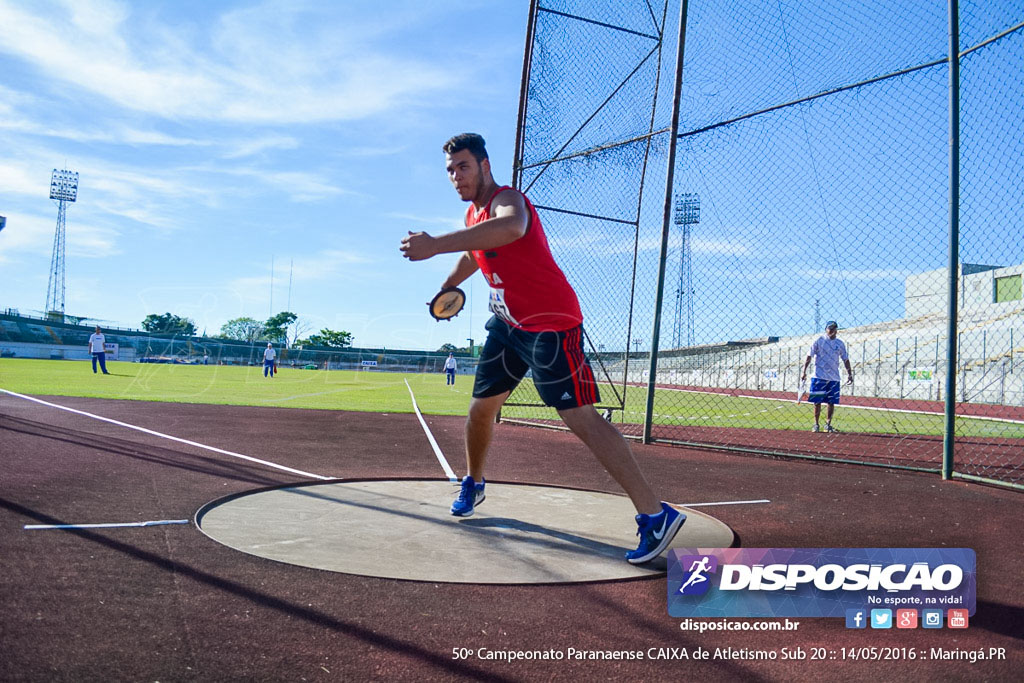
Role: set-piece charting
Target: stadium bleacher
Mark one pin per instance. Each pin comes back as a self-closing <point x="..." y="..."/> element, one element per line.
<point x="896" y="359"/>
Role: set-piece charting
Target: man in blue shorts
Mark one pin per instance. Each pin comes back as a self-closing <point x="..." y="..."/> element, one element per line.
<point x="537" y="326"/>
<point x="449" y="369"/>
<point x="269" y="358"/>
<point x="827" y="352"/>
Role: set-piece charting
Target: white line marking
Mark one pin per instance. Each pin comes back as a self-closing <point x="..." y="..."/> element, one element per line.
<point x="430" y="437"/>
<point x="168" y="436"/>
<point x="725" y="502"/>
<point x="111" y="525"/>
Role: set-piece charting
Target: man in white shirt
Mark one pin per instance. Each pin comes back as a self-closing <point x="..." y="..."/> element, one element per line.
<point x="268" y="360"/>
<point x="98" y="350"/>
<point x="449" y="368"/>
<point x="827" y="352"/>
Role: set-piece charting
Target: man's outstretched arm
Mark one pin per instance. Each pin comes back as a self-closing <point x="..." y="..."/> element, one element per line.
<point x="508" y="223"/>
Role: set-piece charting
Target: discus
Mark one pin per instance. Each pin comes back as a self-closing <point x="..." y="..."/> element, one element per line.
<point x="447" y="304"/>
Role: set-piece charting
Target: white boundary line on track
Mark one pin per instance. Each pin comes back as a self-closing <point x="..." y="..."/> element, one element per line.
<point x="430" y="437"/>
<point x="168" y="436"/>
<point x="111" y="525"/>
<point x="724" y="502"/>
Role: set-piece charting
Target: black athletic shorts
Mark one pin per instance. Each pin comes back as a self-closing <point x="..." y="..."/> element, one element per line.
<point x="561" y="373"/>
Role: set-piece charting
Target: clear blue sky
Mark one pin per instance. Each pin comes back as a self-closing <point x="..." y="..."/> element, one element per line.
<point x="213" y="138"/>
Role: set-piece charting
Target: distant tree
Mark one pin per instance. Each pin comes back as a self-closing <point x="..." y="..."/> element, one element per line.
<point x="169" y="324"/>
<point x="242" y="329"/>
<point x="329" y="338"/>
<point x="448" y="348"/>
<point x="300" y="328"/>
<point x="276" y="327"/>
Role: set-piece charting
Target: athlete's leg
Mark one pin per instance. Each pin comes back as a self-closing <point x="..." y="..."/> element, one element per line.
<point x="828" y="412"/>
<point x="612" y="451"/>
<point x="817" y="412"/>
<point x="479" y="432"/>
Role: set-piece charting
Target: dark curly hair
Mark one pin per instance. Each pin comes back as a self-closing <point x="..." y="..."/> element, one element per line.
<point x="471" y="141"/>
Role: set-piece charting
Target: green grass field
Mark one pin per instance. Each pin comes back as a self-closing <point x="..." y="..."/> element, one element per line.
<point x="385" y="392"/>
<point x="376" y="392"/>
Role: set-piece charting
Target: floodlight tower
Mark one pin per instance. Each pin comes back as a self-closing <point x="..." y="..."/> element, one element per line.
<point x="687" y="214"/>
<point x="63" y="190"/>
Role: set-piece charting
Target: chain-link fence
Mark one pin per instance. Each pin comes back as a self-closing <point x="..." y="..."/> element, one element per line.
<point x="27" y="337"/>
<point x="812" y="182"/>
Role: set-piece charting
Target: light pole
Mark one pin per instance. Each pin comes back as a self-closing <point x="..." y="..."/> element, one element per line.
<point x="63" y="190"/>
<point x="687" y="213"/>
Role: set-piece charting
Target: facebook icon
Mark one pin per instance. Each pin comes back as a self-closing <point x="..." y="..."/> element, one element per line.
<point x="856" y="618"/>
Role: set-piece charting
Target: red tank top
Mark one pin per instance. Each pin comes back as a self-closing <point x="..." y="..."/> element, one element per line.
<point x="528" y="289"/>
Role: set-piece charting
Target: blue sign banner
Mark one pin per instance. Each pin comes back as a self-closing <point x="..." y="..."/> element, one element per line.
<point x="817" y="582"/>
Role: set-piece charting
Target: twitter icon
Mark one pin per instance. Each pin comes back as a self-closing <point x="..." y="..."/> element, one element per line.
<point x="881" y="618"/>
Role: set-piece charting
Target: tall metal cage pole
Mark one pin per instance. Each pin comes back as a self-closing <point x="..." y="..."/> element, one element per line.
<point x="954" y="238"/>
<point x="63" y="190"/>
<point x="666" y="223"/>
<point x="524" y="88"/>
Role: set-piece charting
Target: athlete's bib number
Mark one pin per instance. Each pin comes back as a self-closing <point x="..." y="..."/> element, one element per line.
<point x="499" y="307"/>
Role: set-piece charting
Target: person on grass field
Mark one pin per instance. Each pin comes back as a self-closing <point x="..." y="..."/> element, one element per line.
<point x="269" y="357"/>
<point x="97" y="347"/>
<point x="450" y="365"/>
<point x="537" y="325"/>
<point x="827" y="351"/>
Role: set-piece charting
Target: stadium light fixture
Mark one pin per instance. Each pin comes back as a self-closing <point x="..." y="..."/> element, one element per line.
<point x="687" y="209"/>
<point x="64" y="186"/>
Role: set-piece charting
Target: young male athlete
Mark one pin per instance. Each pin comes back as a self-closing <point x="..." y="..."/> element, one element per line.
<point x="537" y="325"/>
<point x="827" y="351"/>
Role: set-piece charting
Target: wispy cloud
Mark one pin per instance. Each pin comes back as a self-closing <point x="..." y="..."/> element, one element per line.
<point x="447" y="223"/>
<point x="298" y="185"/>
<point x="244" y="148"/>
<point x="116" y="135"/>
<point x="252" y="66"/>
<point x="331" y="264"/>
<point x="33" y="234"/>
<point x="22" y="178"/>
<point x="601" y="245"/>
<point x="866" y="275"/>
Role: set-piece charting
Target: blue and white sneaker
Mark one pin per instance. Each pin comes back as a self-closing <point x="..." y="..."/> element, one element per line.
<point x="655" y="532"/>
<point x="471" y="495"/>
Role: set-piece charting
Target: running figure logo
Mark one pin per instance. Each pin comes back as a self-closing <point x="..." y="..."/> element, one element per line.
<point x="697" y="566"/>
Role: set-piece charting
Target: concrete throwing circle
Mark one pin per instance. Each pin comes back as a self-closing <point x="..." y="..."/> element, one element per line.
<point x="403" y="530"/>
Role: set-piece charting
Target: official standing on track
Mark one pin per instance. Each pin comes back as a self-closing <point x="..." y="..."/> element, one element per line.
<point x="827" y="351"/>
<point x="537" y="325"/>
<point x="98" y="350"/>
